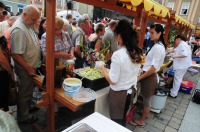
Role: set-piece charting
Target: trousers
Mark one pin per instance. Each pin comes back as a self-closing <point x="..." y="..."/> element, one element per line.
<point x="178" y="76"/>
<point x="26" y="86"/>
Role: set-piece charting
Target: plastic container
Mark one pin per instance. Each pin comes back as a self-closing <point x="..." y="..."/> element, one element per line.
<point x="71" y="88"/>
<point x="186" y="86"/>
<point x="159" y="99"/>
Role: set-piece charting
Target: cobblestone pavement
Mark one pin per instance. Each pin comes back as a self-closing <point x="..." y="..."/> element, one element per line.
<point x="169" y="119"/>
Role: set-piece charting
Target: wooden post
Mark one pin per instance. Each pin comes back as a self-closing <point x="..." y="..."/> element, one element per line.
<point x="50" y="59"/>
<point x="138" y="18"/>
<point x="167" y="32"/>
<point x="143" y="28"/>
<point x="189" y="34"/>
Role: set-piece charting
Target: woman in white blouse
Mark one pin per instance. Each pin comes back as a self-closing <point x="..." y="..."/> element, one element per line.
<point x="124" y="70"/>
<point x="154" y="60"/>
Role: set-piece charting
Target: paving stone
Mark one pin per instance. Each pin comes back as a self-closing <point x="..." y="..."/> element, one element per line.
<point x="151" y="115"/>
<point x="170" y="101"/>
<point x="151" y="128"/>
<point x="178" y="116"/>
<point x="165" y="116"/>
<point x="168" y="112"/>
<point x="161" y="120"/>
<point x="170" y="109"/>
<point x="150" y="121"/>
<point x="139" y="129"/>
<point x="183" y="105"/>
<point x="159" y="126"/>
<point x="173" y="106"/>
<point x="180" y="94"/>
<point x="185" y="101"/>
<point x="177" y="103"/>
<point x="174" y="125"/>
<point x="178" y="100"/>
<point x="182" y="108"/>
<point x="187" y="96"/>
<point x="176" y="120"/>
<point x="169" y="129"/>
<point x="180" y="112"/>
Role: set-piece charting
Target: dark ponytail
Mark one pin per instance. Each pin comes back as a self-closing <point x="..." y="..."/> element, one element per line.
<point x="130" y="40"/>
<point x="159" y="28"/>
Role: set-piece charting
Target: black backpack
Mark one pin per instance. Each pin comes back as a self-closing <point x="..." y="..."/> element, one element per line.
<point x="196" y="96"/>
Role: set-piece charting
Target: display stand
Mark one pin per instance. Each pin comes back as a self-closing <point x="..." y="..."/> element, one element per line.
<point x="53" y="94"/>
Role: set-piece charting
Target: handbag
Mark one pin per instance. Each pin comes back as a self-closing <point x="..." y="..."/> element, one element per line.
<point x="12" y="96"/>
<point x="130" y="113"/>
<point x="196" y="96"/>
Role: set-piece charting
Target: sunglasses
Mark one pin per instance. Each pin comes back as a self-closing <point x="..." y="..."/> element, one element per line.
<point x="4" y="12"/>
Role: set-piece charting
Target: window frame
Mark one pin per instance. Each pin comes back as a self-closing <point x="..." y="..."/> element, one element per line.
<point x="60" y="3"/>
<point x="183" y="4"/>
<point x="19" y="9"/>
<point x="170" y="3"/>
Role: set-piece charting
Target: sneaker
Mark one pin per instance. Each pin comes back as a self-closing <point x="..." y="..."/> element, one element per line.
<point x="31" y="120"/>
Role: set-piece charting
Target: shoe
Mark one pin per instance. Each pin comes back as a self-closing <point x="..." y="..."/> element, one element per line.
<point x="134" y="123"/>
<point x="31" y="120"/>
<point x="169" y="95"/>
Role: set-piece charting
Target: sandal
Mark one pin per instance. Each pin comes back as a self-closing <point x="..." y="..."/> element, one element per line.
<point x="134" y="123"/>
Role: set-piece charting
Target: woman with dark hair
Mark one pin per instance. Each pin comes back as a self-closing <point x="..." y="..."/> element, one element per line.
<point x="6" y="73"/>
<point x="124" y="70"/>
<point x="42" y="27"/>
<point x="154" y="60"/>
<point x="94" y="40"/>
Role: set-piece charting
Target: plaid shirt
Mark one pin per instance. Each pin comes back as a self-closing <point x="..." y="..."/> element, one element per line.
<point x="60" y="45"/>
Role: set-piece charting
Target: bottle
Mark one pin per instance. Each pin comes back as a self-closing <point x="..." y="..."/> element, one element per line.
<point x="70" y="67"/>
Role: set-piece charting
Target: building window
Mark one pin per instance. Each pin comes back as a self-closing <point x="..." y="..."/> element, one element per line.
<point x="20" y="10"/>
<point x="9" y="8"/>
<point x="59" y="2"/>
<point x="170" y="5"/>
<point x="185" y="8"/>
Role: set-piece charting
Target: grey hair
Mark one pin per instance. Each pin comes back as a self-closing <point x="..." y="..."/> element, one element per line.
<point x="29" y="8"/>
<point x="81" y="21"/>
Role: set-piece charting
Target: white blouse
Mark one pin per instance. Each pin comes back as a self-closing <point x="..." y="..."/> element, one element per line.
<point x="155" y="57"/>
<point x="123" y="71"/>
<point x="182" y="63"/>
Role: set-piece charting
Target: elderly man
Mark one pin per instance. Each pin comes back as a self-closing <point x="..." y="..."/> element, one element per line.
<point x="182" y="60"/>
<point x="78" y="37"/>
<point x="109" y="36"/>
<point x="26" y="54"/>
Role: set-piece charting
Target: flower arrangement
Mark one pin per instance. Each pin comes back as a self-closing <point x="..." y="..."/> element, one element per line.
<point x="91" y="56"/>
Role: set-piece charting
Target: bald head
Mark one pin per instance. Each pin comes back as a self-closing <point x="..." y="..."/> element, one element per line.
<point x="29" y="9"/>
<point x="30" y="15"/>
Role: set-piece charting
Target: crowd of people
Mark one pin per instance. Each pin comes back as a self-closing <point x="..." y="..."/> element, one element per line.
<point x="24" y="39"/>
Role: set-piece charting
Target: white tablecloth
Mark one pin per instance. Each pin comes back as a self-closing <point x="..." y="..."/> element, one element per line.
<point x="101" y="103"/>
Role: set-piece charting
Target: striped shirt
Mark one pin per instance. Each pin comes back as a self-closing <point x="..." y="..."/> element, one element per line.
<point x="60" y="45"/>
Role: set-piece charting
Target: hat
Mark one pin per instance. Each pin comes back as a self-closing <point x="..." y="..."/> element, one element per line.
<point x="113" y="22"/>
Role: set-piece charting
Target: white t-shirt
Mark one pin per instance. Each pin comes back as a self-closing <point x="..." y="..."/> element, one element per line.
<point x="182" y="63"/>
<point x="155" y="57"/>
<point x="123" y="71"/>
